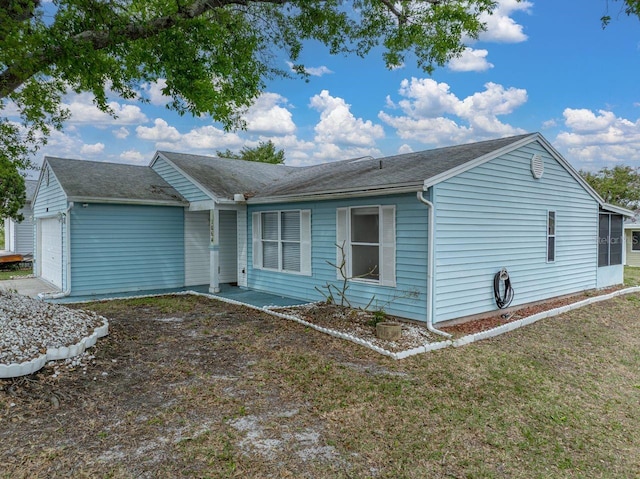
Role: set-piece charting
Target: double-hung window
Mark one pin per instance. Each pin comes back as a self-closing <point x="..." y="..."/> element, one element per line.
<point x="282" y="241"/>
<point x="365" y="239"/>
<point x="609" y="239"/>
<point x="365" y="243"/>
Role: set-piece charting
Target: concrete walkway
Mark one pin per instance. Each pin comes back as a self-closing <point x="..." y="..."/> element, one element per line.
<point x="28" y="286"/>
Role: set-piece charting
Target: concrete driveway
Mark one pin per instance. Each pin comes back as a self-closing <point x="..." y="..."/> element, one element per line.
<point x="28" y="286"/>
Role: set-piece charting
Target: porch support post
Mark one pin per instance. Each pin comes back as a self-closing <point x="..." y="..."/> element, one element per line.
<point x="214" y="251"/>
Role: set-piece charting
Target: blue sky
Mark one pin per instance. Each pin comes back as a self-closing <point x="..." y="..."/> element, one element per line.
<point x="541" y="66"/>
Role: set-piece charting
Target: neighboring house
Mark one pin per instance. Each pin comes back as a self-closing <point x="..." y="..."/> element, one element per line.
<point x="423" y="234"/>
<point x="18" y="235"/>
<point x="632" y="241"/>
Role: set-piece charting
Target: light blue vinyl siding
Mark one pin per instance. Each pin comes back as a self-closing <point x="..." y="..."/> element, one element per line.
<point x="50" y="200"/>
<point x="24" y="232"/>
<point x="118" y="248"/>
<point x="182" y="185"/>
<point x="411" y="257"/>
<point x="494" y="216"/>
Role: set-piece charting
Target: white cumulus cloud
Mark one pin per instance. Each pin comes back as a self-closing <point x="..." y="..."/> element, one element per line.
<point x="94" y="149"/>
<point x="134" y="156"/>
<point x="339" y="126"/>
<point x="161" y="131"/>
<point x="153" y="92"/>
<point x="599" y="138"/>
<point x="267" y="116"/>
<point x="471" y="60"/>
<point x="432" y="114"/>
<point x="121" y="133"/>
<point x="84" y="111"/>
<point x="501" y="28"/>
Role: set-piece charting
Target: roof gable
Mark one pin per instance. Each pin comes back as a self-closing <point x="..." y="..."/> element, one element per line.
<point x="83" y="180"/>
<point x="223" y="177"/>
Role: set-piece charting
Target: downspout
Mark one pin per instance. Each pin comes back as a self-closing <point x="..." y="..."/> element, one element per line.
<point x="67" y="291"/>
<point x="430" y="265"/>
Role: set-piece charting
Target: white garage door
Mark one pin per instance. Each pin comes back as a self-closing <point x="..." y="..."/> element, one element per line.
<point x="196" y="248"/>
<point x="51" y="251"/>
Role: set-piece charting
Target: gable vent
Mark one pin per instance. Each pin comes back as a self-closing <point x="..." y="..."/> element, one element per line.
<point x="537" y="166"/>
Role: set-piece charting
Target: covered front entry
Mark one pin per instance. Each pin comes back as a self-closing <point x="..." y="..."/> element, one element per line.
<point x="226" y="247"/>
<point x="50" y="245"/>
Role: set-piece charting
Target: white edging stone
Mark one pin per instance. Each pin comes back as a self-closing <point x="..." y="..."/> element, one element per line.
<point x="14" y="370"/>
<point x="490" y="333"/>
<point x="63" y="353"/>
<point x="463" y="341"/>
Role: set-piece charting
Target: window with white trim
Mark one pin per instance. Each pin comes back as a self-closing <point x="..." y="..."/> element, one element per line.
<point x="367" y="235"/>
<point x="551" y="236"/>
<point x="635" y="241"/>
<point x="282" y="241"/>
<point x="365" y="243"/>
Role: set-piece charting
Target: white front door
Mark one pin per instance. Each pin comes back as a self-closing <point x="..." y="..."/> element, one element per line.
<point x="196" y="248"/>
<point x="50" y="256"/>
<point x="228" y="261"/>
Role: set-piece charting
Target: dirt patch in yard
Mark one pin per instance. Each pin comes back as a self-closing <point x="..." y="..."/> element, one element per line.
<point x="172" y="372"/>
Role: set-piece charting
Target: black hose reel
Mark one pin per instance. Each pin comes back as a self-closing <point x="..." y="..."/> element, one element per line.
<point x="501" y="282"/>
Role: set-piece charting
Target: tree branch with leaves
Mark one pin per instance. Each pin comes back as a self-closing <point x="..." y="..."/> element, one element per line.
<point x="214" y="55"/>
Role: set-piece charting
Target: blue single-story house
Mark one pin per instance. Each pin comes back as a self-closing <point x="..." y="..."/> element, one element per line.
<point x="18" y="235"/>
<point x="423" y="233"/>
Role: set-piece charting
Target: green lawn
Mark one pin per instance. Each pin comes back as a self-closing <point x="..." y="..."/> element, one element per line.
<point x="11" y="273"/>
<point x="631" y="276"/>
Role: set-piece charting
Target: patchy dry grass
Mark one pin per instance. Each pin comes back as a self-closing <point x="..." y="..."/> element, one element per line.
<point x="189" y="387"/>
<point x="15" y="272"/>
<point x="631" y="276"/>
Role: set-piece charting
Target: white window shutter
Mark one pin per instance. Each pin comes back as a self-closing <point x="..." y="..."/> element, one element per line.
<point x="257" y="240"/>
<point x="342" y="214"/>
<point x="388" y="247"/>
<point x="305" y="242"/>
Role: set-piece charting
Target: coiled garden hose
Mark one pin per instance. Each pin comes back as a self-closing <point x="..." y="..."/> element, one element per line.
<point x="502" y="277"/>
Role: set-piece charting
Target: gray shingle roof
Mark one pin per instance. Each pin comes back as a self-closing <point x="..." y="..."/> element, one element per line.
<point x="372" y="174"/>
<point x="112" y="181"/>
<point x="30" y="187"/>
<point x="225" y="177"/>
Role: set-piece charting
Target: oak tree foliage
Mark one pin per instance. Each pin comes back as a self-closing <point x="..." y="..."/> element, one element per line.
<point x="265" y="152"/>
<point x="619" y="185"/>
<point x="215" y="55"/>
<point x="615" y="8"/>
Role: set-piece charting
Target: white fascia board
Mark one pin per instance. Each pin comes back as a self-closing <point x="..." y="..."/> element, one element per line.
<point x="127" y="201"/>
<point x="617" y="209"/>
<point x="337" y="195"/>
<point x="203" y="205"/>
<point x="434" y="180"/>
<point x="191" y="179"/>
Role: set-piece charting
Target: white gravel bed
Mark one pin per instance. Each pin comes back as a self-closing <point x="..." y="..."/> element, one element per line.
<point x="31" y="328"/>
